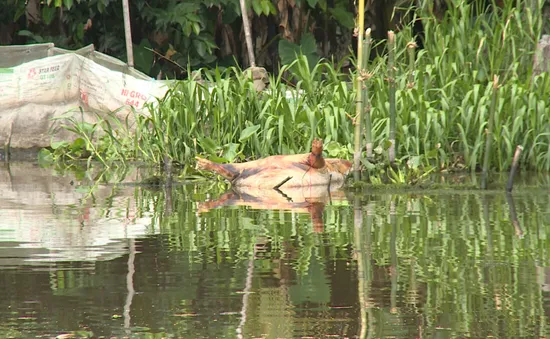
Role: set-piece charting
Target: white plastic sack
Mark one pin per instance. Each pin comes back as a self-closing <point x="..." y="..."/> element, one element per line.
<point x="34" y="92"/>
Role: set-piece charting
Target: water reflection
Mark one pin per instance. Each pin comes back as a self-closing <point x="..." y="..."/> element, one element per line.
<point x="84" y="257"/>
<point x="48" y="218"/>
<point x="308" y="200"/>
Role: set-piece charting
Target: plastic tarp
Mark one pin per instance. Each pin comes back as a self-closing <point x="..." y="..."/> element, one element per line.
<point x="41" y="82"/>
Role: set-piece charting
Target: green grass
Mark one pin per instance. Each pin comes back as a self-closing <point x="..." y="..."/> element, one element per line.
<point x="442" y="101"/>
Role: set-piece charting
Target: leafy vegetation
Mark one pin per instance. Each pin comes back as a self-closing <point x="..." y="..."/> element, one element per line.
<point x="226" y="119"/>
<point x="172" y="36"/>
<point x="443" y="95"/>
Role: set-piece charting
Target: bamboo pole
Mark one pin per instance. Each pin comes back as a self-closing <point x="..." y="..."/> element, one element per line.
<point x="359" y="86"/>
<point x="489" y="134"/>
<point x="391" y="79"/>
<point x="367" y="43"/>
<point x="247" y="34"/>
<point x="128" y="33"/>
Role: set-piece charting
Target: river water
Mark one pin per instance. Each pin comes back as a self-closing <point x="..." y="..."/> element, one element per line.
<point x="81" y="257"/>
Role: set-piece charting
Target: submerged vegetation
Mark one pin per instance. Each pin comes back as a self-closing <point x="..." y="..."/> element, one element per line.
<point x="442" y="98"/>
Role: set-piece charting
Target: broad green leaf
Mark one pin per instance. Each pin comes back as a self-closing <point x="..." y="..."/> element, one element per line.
<point x="229" y="15"/>
<point x="288" y="51"/>
<point x="230" y="152"/>
<point x="196" y="28"/>
<point x="68" y="3"/>
<point x="57" y="144"/>
<point x="19" y="13"/>
<point x="343" y="16"/>
<point x="187" y="28"/>
<point x="248" y="132"/>
<point x="368" y="165"/>
<point x="431" y="154"/>
<point x="101" y="6"/>
<point x="200" y="47"/>
<point x="312" y="3"/>
<point x="78" y="144"/>
<point x="87" y="127"/>
<point x="414" y="162"/>
<point x="308" y="44"/>
<point x="268" y="7"/>
<point x="333" y="148"/>
<point x="27" y="34"/>
<point x="143" y="57"/>
<point x="48" y="13"/>
<point x="257" y="6"/>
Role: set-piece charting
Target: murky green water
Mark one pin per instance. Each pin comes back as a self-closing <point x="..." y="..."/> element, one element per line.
<point x="82" y="258"/>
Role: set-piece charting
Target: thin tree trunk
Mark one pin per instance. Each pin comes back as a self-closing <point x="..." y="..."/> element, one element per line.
<point x="128" y="33"/>
<point x="247" y="34"/>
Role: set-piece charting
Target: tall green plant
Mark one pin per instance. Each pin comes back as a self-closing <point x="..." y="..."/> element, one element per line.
<point x="440" y="120"/>
<point x="229" y="121"/>
<point x="444" y="114"/>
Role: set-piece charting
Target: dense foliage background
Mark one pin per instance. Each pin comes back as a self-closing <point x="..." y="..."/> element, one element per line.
<point x="468" y="52"/>
<point x="200" y="33"/>
<point x="182" y="33"/>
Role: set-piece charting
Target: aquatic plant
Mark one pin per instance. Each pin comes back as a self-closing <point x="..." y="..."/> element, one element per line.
<point x="443" y="107"/>
<point x="442" y="100"/>
<point x="97" y="140"/>
<point x="227" y="120"/>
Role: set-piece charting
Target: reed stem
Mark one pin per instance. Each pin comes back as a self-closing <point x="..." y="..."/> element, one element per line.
<point x="367" y="43"/>
<point x="411" y="46"/>
<point x="359" y="86"/>
<point x="391" y="79"/>
<point x="489" y="134"/>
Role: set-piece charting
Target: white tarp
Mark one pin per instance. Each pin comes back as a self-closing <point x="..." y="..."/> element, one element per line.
<point x="33" y="92"/>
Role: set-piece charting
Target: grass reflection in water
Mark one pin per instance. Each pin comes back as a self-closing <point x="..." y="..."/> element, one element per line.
<point x="214" y="264"/>
<point x="453" y="263"/>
